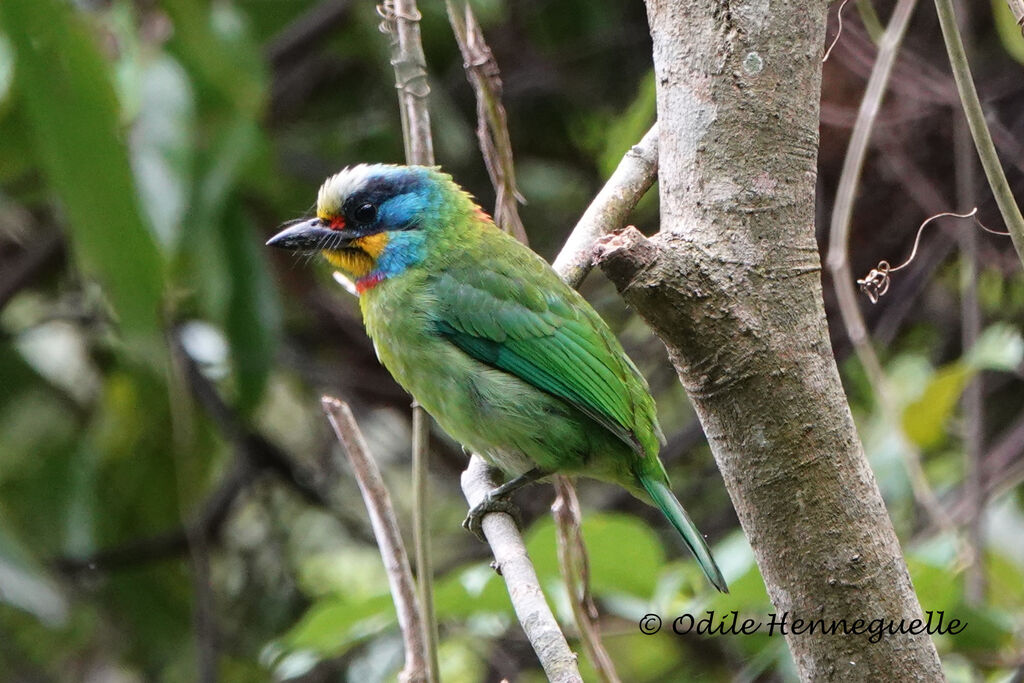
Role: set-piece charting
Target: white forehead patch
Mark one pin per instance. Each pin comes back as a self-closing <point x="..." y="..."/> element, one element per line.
<point x="335" y="189"/>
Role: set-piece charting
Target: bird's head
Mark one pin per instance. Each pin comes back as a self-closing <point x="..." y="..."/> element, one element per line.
<point x="375" y="221"/>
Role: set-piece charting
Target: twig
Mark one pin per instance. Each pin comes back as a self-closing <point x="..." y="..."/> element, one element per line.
<point x="401" y="21"/>
<point x="575" y="570"/>
<point x="838" y="252"/>
<point x="421" y="533"/>
<point x="611" y="207"/>
<point x="839" y="236"/>
<point x="979" y="129"/>
<point x="972" y="400"/>
<point x="869" y="17"/>
<point x="204" y="620"/>
<point x="513" y="563"/>
<point x="389" y="540"/>
<point x="492" y="122"/>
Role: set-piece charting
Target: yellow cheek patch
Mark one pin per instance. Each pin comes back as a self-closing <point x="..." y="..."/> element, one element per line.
<point x="372" y="244"/>
<point x="350" y="261"/>
<point x="360" y="257"/>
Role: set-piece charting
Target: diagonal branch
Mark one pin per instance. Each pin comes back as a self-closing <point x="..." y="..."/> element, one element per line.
<point x="976" y="122"/>
<point x="492" y="122"/>
<point x="513" y="563"/>
<point x="838" y="251"/>
<point x="389" y="539"/>
<point x="634" y="175"/>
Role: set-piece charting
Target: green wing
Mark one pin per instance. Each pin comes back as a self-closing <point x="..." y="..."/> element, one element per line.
<point x="515" y="314"/>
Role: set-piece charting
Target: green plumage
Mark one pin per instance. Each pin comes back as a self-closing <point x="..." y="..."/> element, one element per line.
<point x="508" y="359"/>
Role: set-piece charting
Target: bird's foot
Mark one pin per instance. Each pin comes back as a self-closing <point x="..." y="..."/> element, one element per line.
<point x="493" y="501"/>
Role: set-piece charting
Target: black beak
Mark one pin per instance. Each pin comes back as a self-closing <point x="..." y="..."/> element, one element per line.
<point x="310" y="235"/>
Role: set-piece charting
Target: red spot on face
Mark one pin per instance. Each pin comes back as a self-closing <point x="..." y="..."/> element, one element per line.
<point x="337" y="223"/>
<point x="369" y="282"/>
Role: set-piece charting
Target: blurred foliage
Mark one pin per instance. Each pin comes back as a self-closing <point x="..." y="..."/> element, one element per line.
<point x="163" y="492"/>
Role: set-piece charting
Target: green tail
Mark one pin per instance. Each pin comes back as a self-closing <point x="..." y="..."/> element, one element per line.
<point x="670" y="506"/>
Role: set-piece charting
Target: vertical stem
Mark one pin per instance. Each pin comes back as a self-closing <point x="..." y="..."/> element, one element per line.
<point x="970" y="311"/>
<point x="575" y="570"/>
<point x="411" y="80"/>
<point x="979" y="129"/>
<point x="421" y="534"/>
<point x="402" y="19"/>
<point x="842" y="213"/>
<point x="838" y="250"/>
<point x="869" y="17"/>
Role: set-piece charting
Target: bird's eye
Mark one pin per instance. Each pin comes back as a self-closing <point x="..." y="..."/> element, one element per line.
<point x="365" y="213"/>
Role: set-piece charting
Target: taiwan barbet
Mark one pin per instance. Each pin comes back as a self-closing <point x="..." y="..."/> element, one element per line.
<point x="509" y="360"/>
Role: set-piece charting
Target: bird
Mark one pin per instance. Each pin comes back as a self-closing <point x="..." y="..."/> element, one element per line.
<point x="508" y="359"/>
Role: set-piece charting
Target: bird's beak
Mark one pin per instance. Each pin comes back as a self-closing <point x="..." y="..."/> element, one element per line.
<point x="310" y="234"/>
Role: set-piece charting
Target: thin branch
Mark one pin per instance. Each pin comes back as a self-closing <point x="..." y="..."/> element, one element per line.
<point x="401" y="21"/>
<point x="1008" y="207"/>
<point x="869" y="17"/>
<point x="972" y="400"/>
<point x="389" y="539"/>
<point x="839" y="31"/>
<point x="838" y="252"/>
<point x="839" y="236"/>
<point x="575" y="569"/>
<point x="492" y="122"/>
<point x="513" y="563"/>
<point x="634" y="175"/>
<point x="421" y="534"/>
<point x="204" y="620"/>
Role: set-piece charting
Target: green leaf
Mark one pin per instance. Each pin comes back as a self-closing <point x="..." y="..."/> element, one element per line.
<point x="607" y="537"/>
<point x="162" y="147"/>
<point x="333" y="625"/>
<point x="924" y="419"/>
<point x="253" y="316"/>
<point x="73" y="113"/>
<point x="1000" y="347"/>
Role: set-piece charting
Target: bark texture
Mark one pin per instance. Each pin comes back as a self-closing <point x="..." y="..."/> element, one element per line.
<point x="732" y="286"/>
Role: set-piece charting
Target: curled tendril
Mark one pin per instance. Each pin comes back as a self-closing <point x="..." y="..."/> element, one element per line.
<point x="876" y="283"/>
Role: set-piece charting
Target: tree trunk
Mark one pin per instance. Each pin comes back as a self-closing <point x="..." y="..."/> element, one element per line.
<point x="732" y="285"/>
